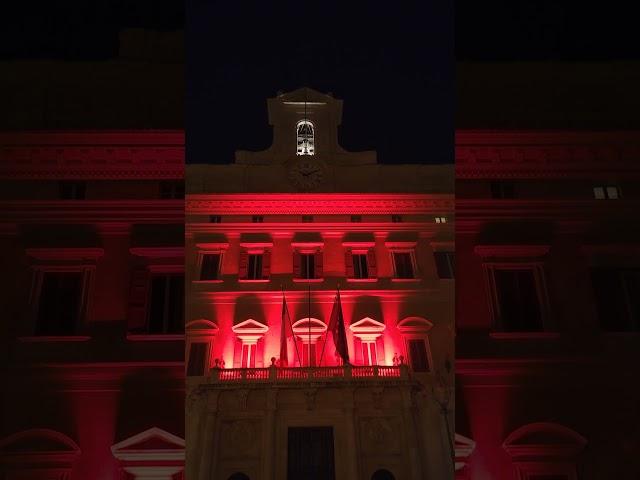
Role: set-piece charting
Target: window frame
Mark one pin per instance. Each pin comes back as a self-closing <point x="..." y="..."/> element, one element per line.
<point x="416" y="328"/>
<point x="311" y="145"/>
<point x="414" y="266"/>
<point x="200" y="262"/>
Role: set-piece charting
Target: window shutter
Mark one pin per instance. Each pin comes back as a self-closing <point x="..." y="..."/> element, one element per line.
<point x="243" y="264"/>
<point x="380" y="350"/>
<point x="348" y="261"/>
<point x="371" y="263"/>
<point x="357" y="346"/>
<point x="138" y="294"/>
<point x="297" y="270"/>
<point x="237" y="354"/>
<point x="318" y="265"/>
<point x="260" y="354"/>
<point x="266" y="264"/>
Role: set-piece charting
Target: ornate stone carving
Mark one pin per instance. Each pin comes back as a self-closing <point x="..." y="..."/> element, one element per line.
<point x="242" y="397"/>
<point x="377" y="395"/>
<point x="310" y="398"/>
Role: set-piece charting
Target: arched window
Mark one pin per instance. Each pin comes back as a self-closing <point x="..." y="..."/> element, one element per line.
<point x="382" y="474"/>
<point x="305" y="137"/>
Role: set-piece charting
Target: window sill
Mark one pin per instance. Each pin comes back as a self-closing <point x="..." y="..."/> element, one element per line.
<point x="524" y="335"/>
<point x="405" y="280"/>
<point x="207" y="281"/>
<point x="54" y="338"/>
<point x="155" y="337"/>
<point x="362" y="280"/>
<point x="247" y="280"/>
<point x="308" y="280"/>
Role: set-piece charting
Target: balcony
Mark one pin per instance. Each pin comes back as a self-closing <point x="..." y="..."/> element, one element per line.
<point x="292" y="375"/>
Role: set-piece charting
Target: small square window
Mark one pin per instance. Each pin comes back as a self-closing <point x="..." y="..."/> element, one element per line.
<point x="257" y="219"/>
<point x="307" y="219"/>
<point x="598" y="193"/>
<point x="210" y="266"/>
<point x="396" y="218"/>
<point x="172" y="189"/>
<point x="441" y="219"/>
<point x="612" y="192"/>
<point x="502" y="190"/>
<point x="215" y="219"/>
<point x="356" y="218"/>
<point x="72" y="190"/>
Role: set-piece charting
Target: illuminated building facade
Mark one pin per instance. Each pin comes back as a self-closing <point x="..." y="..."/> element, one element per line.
<point x="547" y="314"/>
<point x="92" y="328"/>
<point x="300" y="220"/>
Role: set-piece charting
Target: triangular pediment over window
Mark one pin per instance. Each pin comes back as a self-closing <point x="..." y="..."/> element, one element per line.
<point x="464" y="448"/>
<point x="250" y="326"/>
<point x="152" y="444"/>
<point x="367" y="325"/>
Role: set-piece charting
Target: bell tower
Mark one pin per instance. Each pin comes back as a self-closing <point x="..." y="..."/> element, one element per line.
<point x="305" y="124"/>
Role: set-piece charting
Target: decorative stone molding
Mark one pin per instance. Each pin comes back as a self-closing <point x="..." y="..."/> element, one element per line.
<point x="40" y="451"/>
<point x="543" y="440"/>
<point x="511" y="251"/>
<point x="306" y="332"/>
<point x="66" y="253"/>
<point x="464" y="447"/>
<point x="328" y="204"/>
<point x="250" y="331"/>
<point x="367" y="329"/>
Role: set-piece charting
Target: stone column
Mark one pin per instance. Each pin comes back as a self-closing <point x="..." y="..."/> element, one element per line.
<point x="208" y="449"/>
<point x="269" y="434"/>
<point x="350" y="430"/>
<point x="410" y="421"/>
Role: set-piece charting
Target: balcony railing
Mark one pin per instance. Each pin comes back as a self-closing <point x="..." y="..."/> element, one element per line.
<point x="293" y="374"/>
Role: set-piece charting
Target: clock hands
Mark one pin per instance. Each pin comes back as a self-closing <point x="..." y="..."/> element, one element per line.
<point x="309" y="173"/>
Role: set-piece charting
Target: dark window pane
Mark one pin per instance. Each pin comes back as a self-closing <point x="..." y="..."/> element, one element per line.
<point x="403" y="264"/>
<point x="396" y="218"/>
<point x="307" y="218"/>
<point x="215" y="218"/>
<point x="310" y="453"/>
<point x="166" y="312"/>
<point x="172" y="189"/>
<point x="307" y="265"/>
<point x="257" y="219"/>
<point x="59" y="303"/>
<point x="518" y="303"/>
<point x="254" y="270"/>
<point x="197" y="354"/>
<point x="72" y="190"/>
<point x="502" y="190"/>
<point x="418" y="355"/>
<point x="617" y="298"/>
<point x="360" y="269"/>
<point x="445" y="264"/>
<point x="210" y="266"/>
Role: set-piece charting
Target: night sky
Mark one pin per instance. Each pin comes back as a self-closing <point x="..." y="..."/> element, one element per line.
<point x="393" y="67"/>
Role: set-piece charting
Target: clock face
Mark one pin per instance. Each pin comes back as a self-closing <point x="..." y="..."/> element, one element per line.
<point x="306" y="173"/>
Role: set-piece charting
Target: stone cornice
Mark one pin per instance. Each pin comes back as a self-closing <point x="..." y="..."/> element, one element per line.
<point x="92" y="211"/>
<point x="340" y="229"/>
<point x="106" y="155"/>
<point x="542" y="154"/>
<point x="319" y="204"/>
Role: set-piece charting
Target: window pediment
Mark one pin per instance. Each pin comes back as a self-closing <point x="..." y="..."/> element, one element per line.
<point x="367" y="329"/>
<point x="543" y="439"/>
<point x="152" y="444"/>
<point x="414" y="325"/>
<point x="464" y="448"/>
<point x="39" y="448"/>
<point x="309" y="329"/>
<point x="250" y="326"/>
<point x="201" y="327"/>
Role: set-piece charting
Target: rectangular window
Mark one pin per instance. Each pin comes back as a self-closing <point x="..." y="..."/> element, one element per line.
<point x="210" y="266"/>
<point x="396" y="218"/>
<point x="172" y="189"/>
<point x="72" y="190"/>
<point x="310" y="453"/>
<point x="503" y="190"/>
<point x="519" y="308"/>
<point x="59" y="303"/>
<point x="360" y="269"/>
<point x="356" y="218"/>
<point x="257" y="219"/>
<point x="166" y="312"/>
<point x="403" y="264"/>
<point x="610" y="192"/>
<point x="445" y="263"/>
<point x="309" y="355"/>
<point x="249" y="355"/>
<point x="307" y="265"/>
<point x="215" y="219"/>
<point x="617" y="298"/>
<point x="197" y="358"/>
<point x="418" y="355"/>
<point x="369" y="353"/>
<point x="307" y="219"/>
<point x="254" y="266"/>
